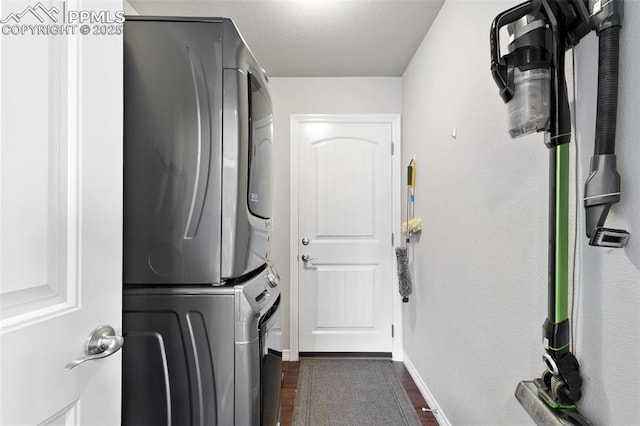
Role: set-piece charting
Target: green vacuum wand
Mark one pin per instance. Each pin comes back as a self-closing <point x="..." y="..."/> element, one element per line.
<point x="531" y="79"/>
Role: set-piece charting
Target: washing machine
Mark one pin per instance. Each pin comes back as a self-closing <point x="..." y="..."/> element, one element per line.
<point x="202" y="355"/>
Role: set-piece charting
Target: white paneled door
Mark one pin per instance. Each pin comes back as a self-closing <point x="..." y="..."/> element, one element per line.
<point x="345" y="254"/>
<point x="60" y="209"/>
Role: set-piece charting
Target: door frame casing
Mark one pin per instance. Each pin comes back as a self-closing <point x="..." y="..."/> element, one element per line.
<point x="396" y="304"/>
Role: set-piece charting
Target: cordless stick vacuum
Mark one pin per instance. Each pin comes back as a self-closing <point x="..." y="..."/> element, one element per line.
<point x="531" y="79"/>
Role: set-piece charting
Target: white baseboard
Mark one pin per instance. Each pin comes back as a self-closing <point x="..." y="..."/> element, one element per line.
<point x="286" y="355"/>
<point x="426" y="394"/>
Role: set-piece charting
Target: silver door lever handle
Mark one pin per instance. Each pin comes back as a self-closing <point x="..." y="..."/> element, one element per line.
<point x="102" y="342"/>
<point x="307" y="259"/>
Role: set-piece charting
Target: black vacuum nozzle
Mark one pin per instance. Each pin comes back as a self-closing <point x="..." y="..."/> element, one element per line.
<point x="609" y="237"/>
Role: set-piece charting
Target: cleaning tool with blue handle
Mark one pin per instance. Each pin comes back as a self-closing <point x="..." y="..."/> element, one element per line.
<point x="402" y="255"/>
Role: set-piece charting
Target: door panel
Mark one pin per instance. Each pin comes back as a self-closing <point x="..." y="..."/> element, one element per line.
<point x="67" y="416"/>
<point x="345" y="289"/>
<point x="60" y="217"/>
<point x="344" y="184"/>
<point x="336" y="287"/>
<point x="34" y="183"/>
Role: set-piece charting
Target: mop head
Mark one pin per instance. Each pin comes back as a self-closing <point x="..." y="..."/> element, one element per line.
<point x="404" y="275"/>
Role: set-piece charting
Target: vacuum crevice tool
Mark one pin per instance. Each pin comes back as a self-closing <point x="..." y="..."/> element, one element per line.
<point x="602" y="190"/>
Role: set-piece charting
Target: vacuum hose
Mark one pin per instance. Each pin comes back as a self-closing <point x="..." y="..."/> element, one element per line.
<point x="609" y="54"/>
<point x="602" y="188"/>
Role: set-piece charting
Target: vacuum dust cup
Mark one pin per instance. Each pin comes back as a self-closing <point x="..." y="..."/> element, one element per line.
<point x="529" y="109"/>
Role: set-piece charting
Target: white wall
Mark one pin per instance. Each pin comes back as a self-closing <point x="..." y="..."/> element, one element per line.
<point x="473" y="327"/>
<point x="352" y="95"/>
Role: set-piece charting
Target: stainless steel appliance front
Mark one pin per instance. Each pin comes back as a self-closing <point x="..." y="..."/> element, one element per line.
<point x="202" y="355"/>
<point x="269" y="337"/>
<point x="197" y="153"/>
<point x="199" y="300"/>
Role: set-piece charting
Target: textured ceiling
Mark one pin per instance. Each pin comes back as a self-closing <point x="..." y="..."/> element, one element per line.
<point x="319" y="38"/>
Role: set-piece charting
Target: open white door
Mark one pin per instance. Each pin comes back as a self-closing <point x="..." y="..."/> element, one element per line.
<point x="60" y="209"/>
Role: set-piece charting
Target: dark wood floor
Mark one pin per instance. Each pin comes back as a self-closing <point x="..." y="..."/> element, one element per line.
<point x="290" y="382"/>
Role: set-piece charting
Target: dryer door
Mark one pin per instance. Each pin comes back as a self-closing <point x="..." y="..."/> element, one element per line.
<point x="246" y="174"/>
<point x="260" y="147"/>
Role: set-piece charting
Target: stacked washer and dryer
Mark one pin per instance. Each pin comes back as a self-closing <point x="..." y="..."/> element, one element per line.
<point x="201" y="302"/>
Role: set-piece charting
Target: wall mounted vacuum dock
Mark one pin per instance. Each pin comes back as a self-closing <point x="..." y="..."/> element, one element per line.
<point x="531" y="80"/>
